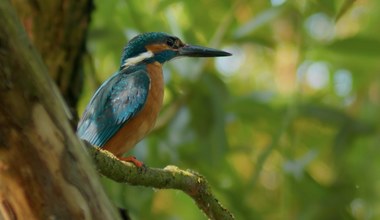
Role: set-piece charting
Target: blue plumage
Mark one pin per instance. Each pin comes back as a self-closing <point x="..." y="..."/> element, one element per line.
<point x="116" y="101"/>
<point x="137" y="45"/>
<point x="111" y="119"/>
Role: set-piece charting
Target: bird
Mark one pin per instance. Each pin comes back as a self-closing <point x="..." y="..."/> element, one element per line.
<point x="125" y="107"/>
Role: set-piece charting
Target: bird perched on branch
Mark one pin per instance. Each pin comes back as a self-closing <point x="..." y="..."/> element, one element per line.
<point x="125" y="107"/>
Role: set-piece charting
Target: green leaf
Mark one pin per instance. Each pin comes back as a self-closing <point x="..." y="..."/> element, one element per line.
<point x="345" y="7"/>
<point x="358" y="46"/>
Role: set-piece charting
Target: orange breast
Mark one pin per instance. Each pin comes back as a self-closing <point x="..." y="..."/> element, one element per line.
<point x="136" y="128"/>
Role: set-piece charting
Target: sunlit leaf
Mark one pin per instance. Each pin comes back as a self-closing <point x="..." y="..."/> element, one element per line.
<point x="257" y="22"/>
<point x="345" y="7"/>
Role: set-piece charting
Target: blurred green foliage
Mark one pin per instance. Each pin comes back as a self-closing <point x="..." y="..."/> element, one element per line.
<point x="287" y="128"/>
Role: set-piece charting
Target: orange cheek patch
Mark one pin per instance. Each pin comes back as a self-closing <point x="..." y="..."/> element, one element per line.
<point x="157" y="47"/>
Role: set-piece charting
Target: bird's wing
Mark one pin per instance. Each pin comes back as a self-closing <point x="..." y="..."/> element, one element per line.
<point x="114" y="103"/>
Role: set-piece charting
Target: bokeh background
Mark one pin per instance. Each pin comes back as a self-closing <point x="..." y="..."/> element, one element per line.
<point x="286" y="128"/>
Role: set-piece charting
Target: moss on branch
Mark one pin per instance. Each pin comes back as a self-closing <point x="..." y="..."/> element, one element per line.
<point x="171" y="177"/>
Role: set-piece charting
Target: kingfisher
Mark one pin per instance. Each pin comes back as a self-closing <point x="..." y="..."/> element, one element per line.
<point x="125" y="107"/>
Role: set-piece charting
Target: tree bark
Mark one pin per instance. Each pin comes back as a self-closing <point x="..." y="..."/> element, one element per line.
<point x="58" y="29"/>
<point x="44" y="171"/>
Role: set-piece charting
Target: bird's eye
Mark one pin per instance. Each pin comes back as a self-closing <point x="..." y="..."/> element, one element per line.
<point x="173" y="43"/>
<point x="170" y="42"/>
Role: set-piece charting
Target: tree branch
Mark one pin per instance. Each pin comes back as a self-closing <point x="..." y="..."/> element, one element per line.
<point x="171" y="177"/>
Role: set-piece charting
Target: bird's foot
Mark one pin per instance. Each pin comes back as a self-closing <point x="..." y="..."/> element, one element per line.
<point x="132" y="159"/>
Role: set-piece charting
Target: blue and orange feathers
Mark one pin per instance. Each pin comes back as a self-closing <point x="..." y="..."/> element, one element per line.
<point x="121" y="100"/>
<point x="116" y="101"/>
<point x="161" y="44"/>
<point x="123" y="95"/>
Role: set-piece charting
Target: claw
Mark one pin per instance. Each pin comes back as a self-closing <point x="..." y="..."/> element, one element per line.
<point x="132" y="159"/>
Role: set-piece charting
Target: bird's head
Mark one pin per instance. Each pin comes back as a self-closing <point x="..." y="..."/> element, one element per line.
<point x="161" y="47"/>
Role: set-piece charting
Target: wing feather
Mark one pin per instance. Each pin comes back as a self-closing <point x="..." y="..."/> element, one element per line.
<point x="114" y="103"/>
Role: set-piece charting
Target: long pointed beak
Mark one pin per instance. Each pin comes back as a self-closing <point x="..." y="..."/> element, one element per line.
<point x="198" y="51"/>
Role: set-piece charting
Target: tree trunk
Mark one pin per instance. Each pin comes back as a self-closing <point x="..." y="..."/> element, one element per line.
<point x="58" y="30"/>
<point x="44" y="173"/>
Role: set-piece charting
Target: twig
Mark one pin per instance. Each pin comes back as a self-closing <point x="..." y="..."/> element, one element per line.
<point x="171" y="177"/>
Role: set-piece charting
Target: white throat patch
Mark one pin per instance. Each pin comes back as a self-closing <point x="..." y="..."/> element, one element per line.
<point x="134" y="60"/>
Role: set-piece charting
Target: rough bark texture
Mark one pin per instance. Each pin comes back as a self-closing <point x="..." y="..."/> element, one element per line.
<point x="44" y="171"/>
<point x="58" y="30"/>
